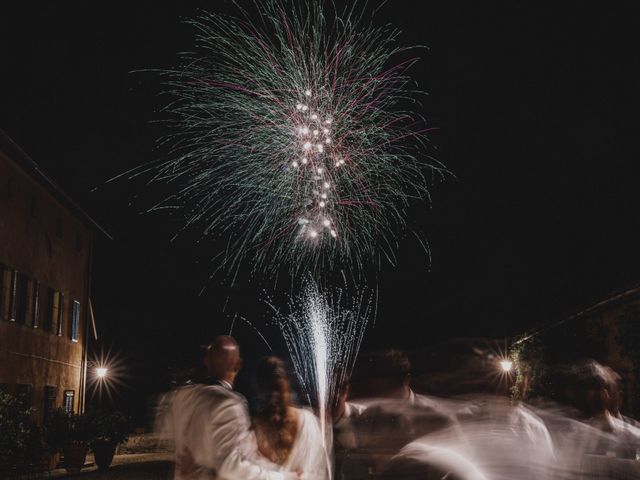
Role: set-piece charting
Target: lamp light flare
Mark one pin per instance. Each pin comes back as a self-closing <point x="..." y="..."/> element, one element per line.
<point x="506" y="365"/>
<point x="101" y="372"/>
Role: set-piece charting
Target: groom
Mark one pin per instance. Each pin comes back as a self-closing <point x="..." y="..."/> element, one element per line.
<point x="210" y="424"/>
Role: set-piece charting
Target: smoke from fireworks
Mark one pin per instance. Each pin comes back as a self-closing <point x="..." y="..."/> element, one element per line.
<point x="323" y="334"/>
<point x="295" y="138"/>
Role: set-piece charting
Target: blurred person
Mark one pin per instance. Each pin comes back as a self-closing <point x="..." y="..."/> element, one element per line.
<point x="287" y="435"/>
<point x="418" y="461"/>
<point x="597" y="400"/>
<point x="344" y="414"/>
<point x="393" y="416"/>
<point x="489" y="436"/>
<point x="210" y="424"/>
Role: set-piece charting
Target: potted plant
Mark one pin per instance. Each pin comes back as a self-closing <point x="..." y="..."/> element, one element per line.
<point x="56" y="435"/>
<point x="77" y="445"/>
<point x="108" y="430"/>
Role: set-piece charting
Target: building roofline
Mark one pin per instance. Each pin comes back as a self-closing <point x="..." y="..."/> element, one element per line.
<point x="606" y="301"/>
<point x="26" y="163"/>
<point x="609" y="300"/>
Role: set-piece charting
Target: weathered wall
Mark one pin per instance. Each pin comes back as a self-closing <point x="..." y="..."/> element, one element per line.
<point x="39" y="237"/>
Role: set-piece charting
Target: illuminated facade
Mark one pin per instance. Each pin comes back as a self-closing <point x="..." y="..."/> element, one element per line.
<point x="45" y="276"/>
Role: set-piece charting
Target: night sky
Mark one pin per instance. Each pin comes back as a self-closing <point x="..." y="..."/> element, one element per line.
<point x="537" y="106"/>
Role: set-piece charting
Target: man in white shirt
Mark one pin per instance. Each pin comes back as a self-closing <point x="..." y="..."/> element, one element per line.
<point x="210" y="425"/>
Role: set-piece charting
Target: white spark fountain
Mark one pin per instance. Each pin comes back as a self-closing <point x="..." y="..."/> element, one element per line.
<point x="323" y="334"/>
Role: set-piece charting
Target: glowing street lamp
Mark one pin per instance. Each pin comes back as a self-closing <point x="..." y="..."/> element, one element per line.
<point x="101" y="372"/>
<point x="506" y="365"/>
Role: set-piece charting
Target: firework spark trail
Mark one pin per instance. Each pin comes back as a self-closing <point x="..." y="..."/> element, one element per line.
<point x="295" y="137"/>
<point x="323" y="332"/>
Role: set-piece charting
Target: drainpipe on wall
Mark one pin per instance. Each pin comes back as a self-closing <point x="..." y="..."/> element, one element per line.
<point x="85" y="346"/>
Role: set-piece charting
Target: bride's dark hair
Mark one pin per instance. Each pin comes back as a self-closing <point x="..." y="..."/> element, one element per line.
<point x="274" y="395"/>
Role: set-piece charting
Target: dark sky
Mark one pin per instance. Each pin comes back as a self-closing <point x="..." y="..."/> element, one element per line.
<point x="538" y="111"/>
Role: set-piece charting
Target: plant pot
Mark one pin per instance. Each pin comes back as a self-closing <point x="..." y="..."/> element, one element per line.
<point x="75" y="454"/>
<point x="103" y="452"/>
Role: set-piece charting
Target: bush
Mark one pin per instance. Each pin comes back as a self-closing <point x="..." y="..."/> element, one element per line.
<point x="20" y="443"/>
<point x="111" y="427"/>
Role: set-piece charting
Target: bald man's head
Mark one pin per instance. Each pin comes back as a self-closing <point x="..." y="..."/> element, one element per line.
<point x="222" y="358"/>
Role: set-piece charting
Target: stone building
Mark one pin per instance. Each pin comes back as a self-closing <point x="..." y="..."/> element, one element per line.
<point x="46" y="244"/>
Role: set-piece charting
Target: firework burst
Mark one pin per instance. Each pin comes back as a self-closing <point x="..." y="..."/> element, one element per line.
<point x="295" y="138"/>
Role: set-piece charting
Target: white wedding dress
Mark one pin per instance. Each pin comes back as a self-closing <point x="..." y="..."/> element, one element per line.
<point x="308" y="454"/>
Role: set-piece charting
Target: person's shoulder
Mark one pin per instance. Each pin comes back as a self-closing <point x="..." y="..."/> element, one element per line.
<point x="216" y="393"/>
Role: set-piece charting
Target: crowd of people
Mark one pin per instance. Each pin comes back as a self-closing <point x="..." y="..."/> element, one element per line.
<point x="380" y="428"/>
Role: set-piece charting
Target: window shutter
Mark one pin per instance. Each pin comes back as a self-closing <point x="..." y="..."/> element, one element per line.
<point x="60" y="313"/>
<point x="75" y="320"/>
<point x="35" y="305"/>
<point x="12" y="296"/>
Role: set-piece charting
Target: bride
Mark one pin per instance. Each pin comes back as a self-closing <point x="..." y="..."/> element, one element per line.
<point x="286" y="435"/>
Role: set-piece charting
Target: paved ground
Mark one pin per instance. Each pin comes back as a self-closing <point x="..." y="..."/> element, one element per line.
<point x="143" y="466"/>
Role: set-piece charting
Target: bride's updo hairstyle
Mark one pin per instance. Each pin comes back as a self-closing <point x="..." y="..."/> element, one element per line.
<point x="274" y="398"/>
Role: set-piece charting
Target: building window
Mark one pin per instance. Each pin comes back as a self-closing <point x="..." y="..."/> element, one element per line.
<point x="53" y="319"/>
<point x="58" y="228"/>
<point x="22" y="303"/>
<point x="68" y="400"/>
<point x="50" y="394"/>
<point x="24" y="393"/>
<point x="75" y="320"/>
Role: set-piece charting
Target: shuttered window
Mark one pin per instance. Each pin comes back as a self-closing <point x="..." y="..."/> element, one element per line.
<point x="13" y="291"/>
<point x="75" y="320"/>
<point x="24" y="393"/>
<point x="47" y="320"/>
<point x="22" y="298"/>
<point x="50" y="394"/>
